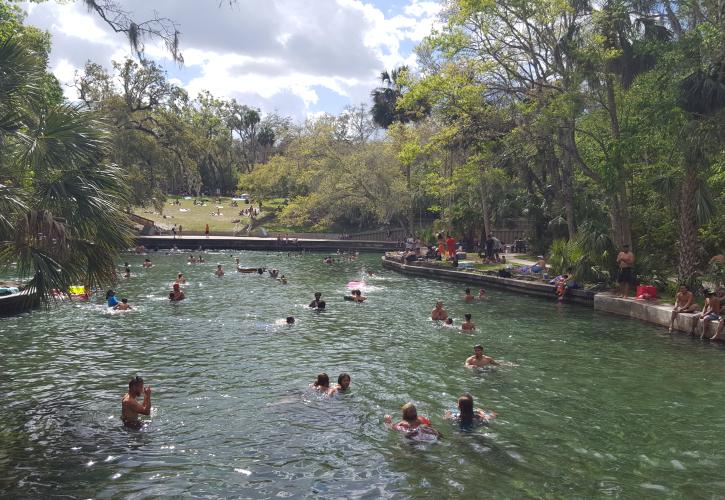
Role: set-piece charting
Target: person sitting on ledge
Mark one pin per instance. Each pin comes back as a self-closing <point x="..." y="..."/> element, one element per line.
<point x="684" y="303"/>
<point x="710" y="312"/>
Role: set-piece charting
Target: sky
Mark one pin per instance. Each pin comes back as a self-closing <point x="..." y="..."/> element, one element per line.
<point x="300" y="58"/>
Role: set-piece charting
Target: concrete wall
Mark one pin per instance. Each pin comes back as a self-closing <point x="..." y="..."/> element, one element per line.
<point x="535" y="288"/>
<point x="646" y="311"/>
<point x="244" y="243"/>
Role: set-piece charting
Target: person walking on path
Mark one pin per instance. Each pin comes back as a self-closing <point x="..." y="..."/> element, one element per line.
<point x="206" y="231"/>
<point x="625" y="261"/>
<point x="180" y="230"/>
<point x="173" y="230"/>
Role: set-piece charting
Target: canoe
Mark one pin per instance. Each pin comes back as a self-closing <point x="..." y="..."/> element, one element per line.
<point x="18" y="303"/>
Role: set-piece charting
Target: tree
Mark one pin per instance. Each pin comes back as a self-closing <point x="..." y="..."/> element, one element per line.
<point x="62" y="220"/>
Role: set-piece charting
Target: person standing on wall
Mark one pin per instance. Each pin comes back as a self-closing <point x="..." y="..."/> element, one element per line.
<point x="625" y="261"/>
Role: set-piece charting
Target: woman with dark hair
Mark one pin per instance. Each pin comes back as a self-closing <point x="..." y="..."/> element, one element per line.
<point x="322" y="384"/>
<point x="467" y="415"/>
<point x="111" y="298"/>
<point x="343" y="382"/>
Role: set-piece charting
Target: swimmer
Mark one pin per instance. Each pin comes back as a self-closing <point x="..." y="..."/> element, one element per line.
<point x="411" y="422"/>
<point x="180" y="280"/>
<point x="316" y="303"/>
<point x="438" y="313"/>
<point x="322" y="384"/>
<point x="219" y="271"/>
<point x="449" y="322"/>
<point x="467" y="297"/>
<point x="343" y="382"/>
<point x="123" y="306"/>
<point x="479" y="359"/>
<point x="290" y="320"/>
<point x="320" y="306"/>
<point x="131" y="408"/>
<point x="236" y="261"/>
<point x="111" y="298"/>
<point x="127" y="270"/>
<point x="147" y="264"/>
<point x="192" y="259"/>
<point x="468" y="326"/>
<point x="201" y="259"/>
<point x="467" y="415"/>
<point x="482" y="294"/>
<point x="370" y="273"/>
<point x="176" y="294"/>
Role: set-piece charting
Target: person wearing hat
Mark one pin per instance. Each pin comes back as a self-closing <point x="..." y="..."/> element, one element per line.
<point x="625" y="277"/>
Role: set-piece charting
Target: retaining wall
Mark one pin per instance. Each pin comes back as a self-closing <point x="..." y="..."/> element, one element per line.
<point x="251" y="243"/>
<point x="535" y="288"/>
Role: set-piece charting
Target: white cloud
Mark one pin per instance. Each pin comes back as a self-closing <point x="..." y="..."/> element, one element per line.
<point x="270" y="53"/>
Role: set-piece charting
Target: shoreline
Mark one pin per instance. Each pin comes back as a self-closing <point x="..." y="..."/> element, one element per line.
<point x="258" y="243"/>
<point x="604" y="302"/>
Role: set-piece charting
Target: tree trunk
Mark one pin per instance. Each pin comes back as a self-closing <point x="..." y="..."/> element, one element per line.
<point x="687" y="264"/>
<point x="620" y="210"/>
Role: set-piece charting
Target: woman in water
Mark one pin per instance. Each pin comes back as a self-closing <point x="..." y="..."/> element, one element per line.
<point x="111" y="298"/>
<point x="343" y="382"/>
<point x="413" y="425"/>
<point x="467" y="415"/>
<point x="322" y="384"/>
<point x="180" y="280"/>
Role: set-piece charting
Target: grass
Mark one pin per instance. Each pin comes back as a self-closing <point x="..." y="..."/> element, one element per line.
<point x="194" y="218"/>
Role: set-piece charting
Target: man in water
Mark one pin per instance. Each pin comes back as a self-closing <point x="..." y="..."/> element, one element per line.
<point x="180" y="280"/>
<point x="176" y="294"/>
<point x="219" y="271"/>
<point x="131" y="408"/>
<point x="127" y="270"/>
<point x="625" y="260"/>
<point x="316" y="303"/>
<point x="467" y="297"/>
<point x="290" y="320"/>
<point x="683" y="304"/>
<point x="479" y="359"/>
<point x="468" y="326"/>
<point x="482" y="294"/>
<point x="438" y="313"/>
<point x="123" y="306"/>
<point x="147" y="263"/>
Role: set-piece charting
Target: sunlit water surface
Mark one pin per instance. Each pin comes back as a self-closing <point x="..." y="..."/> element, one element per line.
<point x="597" y="406"/>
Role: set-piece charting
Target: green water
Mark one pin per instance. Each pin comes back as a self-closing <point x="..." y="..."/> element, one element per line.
<point x="598" y="406"/>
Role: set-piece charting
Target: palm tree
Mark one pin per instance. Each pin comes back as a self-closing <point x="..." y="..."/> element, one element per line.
<point x="61" y="220"/>
<point x="385" y="108"/>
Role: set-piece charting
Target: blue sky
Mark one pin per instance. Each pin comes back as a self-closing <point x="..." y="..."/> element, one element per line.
<point x="298" y="57"/>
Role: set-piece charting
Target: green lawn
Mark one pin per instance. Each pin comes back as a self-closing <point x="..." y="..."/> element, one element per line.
<point x="194" y="218"/>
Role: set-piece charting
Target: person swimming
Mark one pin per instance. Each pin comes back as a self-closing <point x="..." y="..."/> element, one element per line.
<point x="449" y="322"/>
<point x="479" y="359"/>
<point x="176" y="294"/>
<point x="322" y="384"/>
<point x="147" y="264"/>
<point x="123" y="306"/>
<point x="412" y="424"/>
<point x="131" y="408"/>
<point x="468" y="326"/>
<point x="127" y="270"/>
<point x="111" y="299"/>
<point x="290" y="320"/>
<point x="438" y="313"/>
<point x="343" y="382"/>
<point x="219" y="271"/>
<point x="180" y="280"/>
<point x="467" y="297"/>
<point x="468" y="416"/>
<point x="315" y="303"/>
<point x="482" y="294"/>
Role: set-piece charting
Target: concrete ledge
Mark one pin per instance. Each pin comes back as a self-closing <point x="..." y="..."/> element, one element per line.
<point x="538" y="289"/>
<point x="646" y="311"/>
<point x="251" y="243"/>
